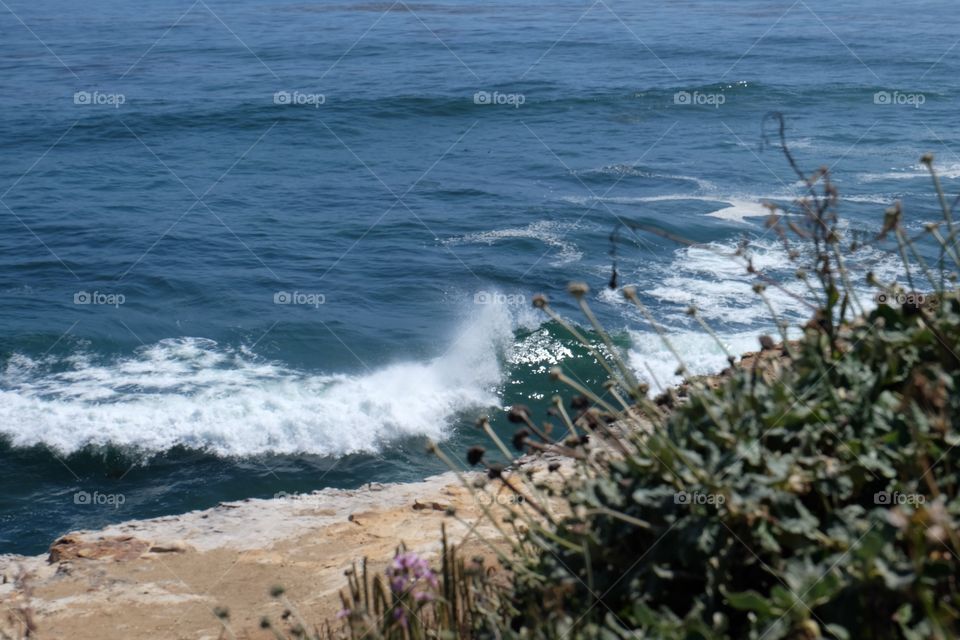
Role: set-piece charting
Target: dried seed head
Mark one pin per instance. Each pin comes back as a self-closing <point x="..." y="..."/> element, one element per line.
<point x="520" y="439"/>
<point x="519" y="413"/>
<point x="578" y="289"/>
<point x="540" y="301"/>
<point x="276" y="591"/>
<point x="592" y="417"/>
<point x="767" y="343"/>
<point x="579" y="402"/>
<point x="553" y="466"/>
<point x="629" y="292"/>
<point x="927" y="159"/>
<point x="556" y="373"/>
<point x="475" y="455"/>
<point x="495" y="471"/>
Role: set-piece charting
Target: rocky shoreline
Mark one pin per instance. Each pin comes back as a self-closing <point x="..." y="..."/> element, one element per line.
<point x="164" y="577"/>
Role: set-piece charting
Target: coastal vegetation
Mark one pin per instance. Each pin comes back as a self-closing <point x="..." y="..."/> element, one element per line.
<point x="808" y="491"/>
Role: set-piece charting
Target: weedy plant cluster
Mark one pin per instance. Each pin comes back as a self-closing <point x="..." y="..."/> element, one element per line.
<point x="811" y="492"/>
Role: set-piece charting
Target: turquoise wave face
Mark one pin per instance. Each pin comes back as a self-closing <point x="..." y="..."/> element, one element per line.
<point x="262" y="247"/>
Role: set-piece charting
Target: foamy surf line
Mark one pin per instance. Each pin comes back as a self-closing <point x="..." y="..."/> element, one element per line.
<point x="191" y="392"/>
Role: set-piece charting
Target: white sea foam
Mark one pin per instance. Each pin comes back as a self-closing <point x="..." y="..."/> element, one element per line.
<point x="656" y="365"/>
<point x="722" y="291"/>
<point x="194" y="393"/>
<point x="734" y="208"/>
<point x="917" y="171"/>
<point x="738" y="209"/>
<point x="553" y="234"/>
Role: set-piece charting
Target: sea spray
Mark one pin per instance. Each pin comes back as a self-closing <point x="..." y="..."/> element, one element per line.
<point x="195" y="393"/>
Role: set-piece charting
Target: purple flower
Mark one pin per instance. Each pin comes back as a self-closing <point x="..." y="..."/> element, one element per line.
<point x="409" y="574"/>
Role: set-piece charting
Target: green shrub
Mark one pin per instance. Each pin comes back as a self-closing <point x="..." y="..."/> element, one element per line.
<point x="813" y="494"/>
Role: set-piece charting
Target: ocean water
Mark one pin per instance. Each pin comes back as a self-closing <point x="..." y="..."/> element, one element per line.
<point x="258" y="246"/>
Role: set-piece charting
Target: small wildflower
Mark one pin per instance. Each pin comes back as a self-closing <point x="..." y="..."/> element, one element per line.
<point x="409" y="575"/>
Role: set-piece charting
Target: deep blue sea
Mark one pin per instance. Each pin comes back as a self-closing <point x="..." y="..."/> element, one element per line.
<point x="254" y="246"/>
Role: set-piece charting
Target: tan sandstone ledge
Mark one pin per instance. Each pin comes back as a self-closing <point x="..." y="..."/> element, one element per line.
<point x="162" y="578"/>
